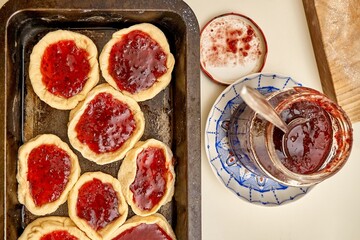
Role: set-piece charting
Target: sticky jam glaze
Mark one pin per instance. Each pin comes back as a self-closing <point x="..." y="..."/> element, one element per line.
<point x="136" y="62"/>
<point x="97" y="203"/>
<point x="306" y="145"/>
<point x="105" y="124"/>
<point x="144" y="231"/>
<point x="49" y="169"/>
<point x="58" y="235"/>
<point x="64" y="68"/>
<point x="149" y="185"/>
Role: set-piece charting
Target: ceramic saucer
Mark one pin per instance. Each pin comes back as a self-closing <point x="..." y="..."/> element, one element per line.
<point x="235" y="177"/>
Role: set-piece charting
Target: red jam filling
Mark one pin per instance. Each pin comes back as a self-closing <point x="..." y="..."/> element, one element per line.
<point x="136" y="61"/>
<point x="306" y="146"/>
<point x="58" y="235"/>
<point x="64" y="68"/>
<point x="149" y="185"/>
<point x="144" y="231"/>
<point x="105" y="124"/>
<point x="49" y="169"/>
<point x="97" y="203"/>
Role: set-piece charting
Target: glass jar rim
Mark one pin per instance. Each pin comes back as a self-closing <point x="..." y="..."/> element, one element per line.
<point x="336" y="162"/>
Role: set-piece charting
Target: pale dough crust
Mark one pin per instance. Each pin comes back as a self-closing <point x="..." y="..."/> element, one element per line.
<point x="24" y="195"/>
<point x="157" y="35"/>
<point x="156" y="218"/>
<point x="108" y="157"/>
<point x="81" y="223"/>
<point x="127" y="174"/>
<point x="42" y="226"/>
<point x="35" y="75"/>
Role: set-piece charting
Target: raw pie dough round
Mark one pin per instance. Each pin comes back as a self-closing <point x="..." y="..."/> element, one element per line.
<point x="82" y="223"/>
<point x="107" y="156"/>
<point x="156" y="218"/>
<point x="24" y="194"/>
<point x="161" y="82"/>
<point x="43" y="226"/>
<point x="128" y="172"/>
<point x="82" y="42"/>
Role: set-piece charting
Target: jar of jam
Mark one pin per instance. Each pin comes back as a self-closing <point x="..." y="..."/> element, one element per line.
<point x="315" y="147"/>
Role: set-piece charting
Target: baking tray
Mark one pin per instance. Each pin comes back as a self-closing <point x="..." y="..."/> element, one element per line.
<point x="173" y="116"/>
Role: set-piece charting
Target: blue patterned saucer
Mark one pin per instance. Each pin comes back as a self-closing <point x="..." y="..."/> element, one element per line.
<point x="245" y="184"/>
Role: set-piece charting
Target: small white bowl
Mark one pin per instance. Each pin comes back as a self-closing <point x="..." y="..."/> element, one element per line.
<point x="231" y="46"/>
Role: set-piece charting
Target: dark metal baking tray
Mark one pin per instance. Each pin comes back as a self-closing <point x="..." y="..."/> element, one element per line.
<point x="173" y="116"/>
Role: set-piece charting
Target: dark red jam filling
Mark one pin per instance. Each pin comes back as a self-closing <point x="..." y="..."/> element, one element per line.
<point x="65" y="68"/>
<point x="97" y="203"/>
<point x="49" y="169"/>
<point x="105" y="124"/>
<point x="136" y="62"/>
<point x="307" y="145"/>
<point x="144" y="231"/>
<point x="58" y="235"/>
<point x="149" y="185"/>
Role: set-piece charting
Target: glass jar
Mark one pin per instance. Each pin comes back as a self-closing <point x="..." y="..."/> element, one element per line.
<point x="316" y="147"/>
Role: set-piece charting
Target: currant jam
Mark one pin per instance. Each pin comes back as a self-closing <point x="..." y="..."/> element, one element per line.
<point x="97" y="203"/>
<point x="144" y="231"/>
<point x="49" y="169"/>
<point x="64" y="68"/>
<point x="58" y="235"/>
<point x="105" y="124"/>
<point x="307" y="144"/>
<point x="149" y="185"/>
<point x="136" y="62"/>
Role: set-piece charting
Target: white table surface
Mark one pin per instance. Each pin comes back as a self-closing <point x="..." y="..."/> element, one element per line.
<point x="331" y="210"/>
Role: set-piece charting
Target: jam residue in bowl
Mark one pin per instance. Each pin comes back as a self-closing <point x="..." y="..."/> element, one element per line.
<point x="150" y="181"/>
<point x="231" y="46"/>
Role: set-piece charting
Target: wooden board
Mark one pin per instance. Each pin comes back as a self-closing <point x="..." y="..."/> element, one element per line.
<point x="335" y="33"/>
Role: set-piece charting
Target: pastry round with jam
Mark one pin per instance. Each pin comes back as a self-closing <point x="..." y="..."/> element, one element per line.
<point x="153" y="227"/>
<point x="97" y="205"/>
<point x="106" y="125"/>
<point x="147" y="177"/>
<point x="47" y="170"/>
<point x="63" y="68"/>
<point x="137" y="61"/>
<point x="52" y="228"/>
